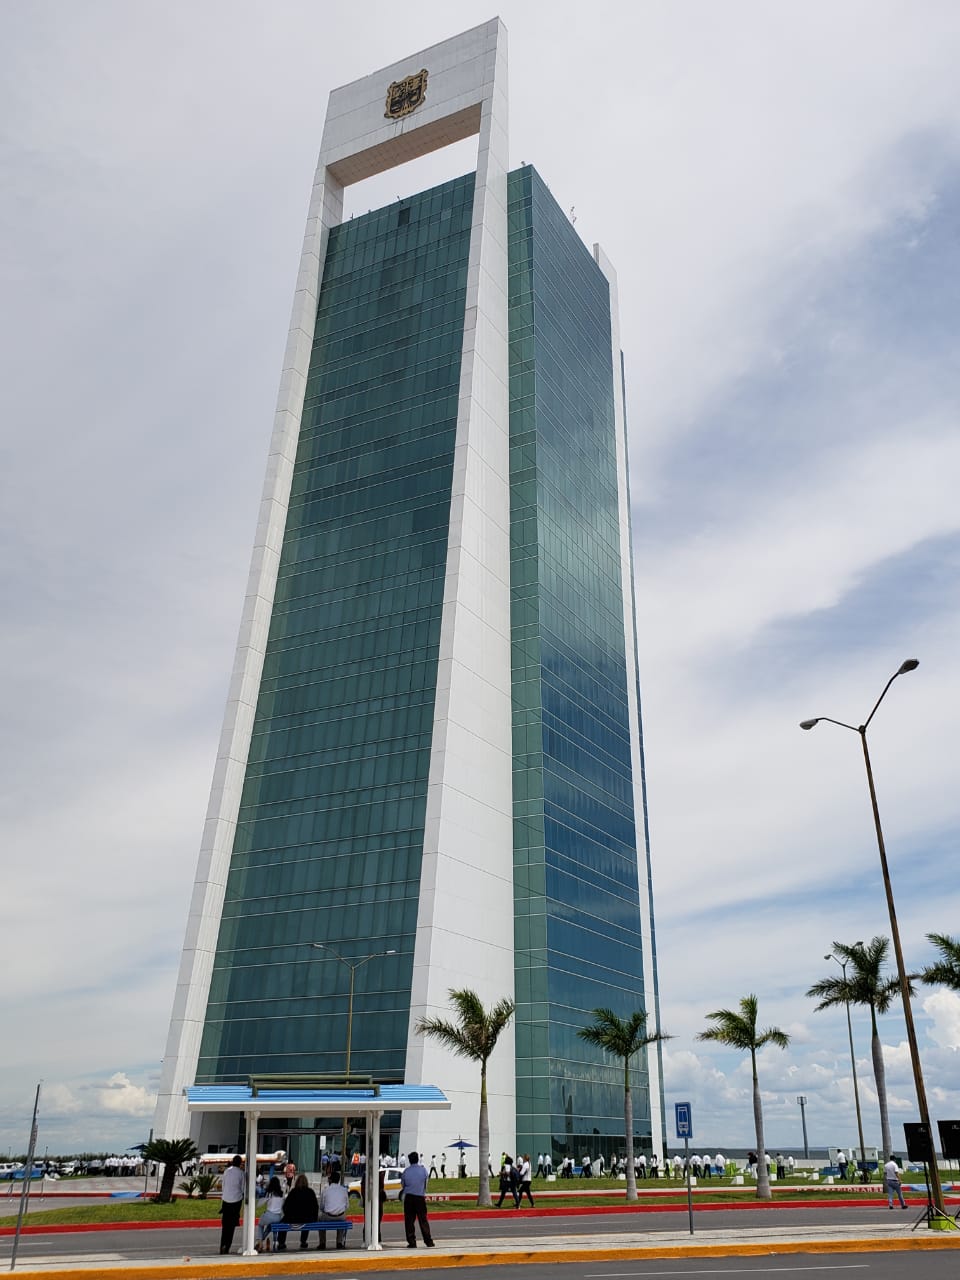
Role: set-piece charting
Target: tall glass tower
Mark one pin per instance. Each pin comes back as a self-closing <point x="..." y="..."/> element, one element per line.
<point x="430" y="776"/>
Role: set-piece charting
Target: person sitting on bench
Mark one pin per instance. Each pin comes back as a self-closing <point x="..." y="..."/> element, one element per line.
<point x="333" y="1201"/>
<point x="300" y="1206"/>
<point x="272" y="1211"/>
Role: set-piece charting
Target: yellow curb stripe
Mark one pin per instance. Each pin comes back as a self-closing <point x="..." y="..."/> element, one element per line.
<point x="390" y="1260"/>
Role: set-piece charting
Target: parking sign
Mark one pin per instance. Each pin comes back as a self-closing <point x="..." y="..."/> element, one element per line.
<point x="684" y="1119"/>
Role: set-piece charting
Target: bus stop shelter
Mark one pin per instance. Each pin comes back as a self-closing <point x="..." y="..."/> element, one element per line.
<point x="266" y="1099"/>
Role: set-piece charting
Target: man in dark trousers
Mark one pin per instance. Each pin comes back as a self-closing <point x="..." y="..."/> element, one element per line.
<point x="232" y="1187"/>
<point x="413" y="1189"/>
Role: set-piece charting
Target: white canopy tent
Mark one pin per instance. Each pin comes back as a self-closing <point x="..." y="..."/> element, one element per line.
<point x="257" y="1101"/>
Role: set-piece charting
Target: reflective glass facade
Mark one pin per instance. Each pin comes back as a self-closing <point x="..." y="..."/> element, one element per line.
<point x="330" y="831"/>
<point x="578" y="923"/>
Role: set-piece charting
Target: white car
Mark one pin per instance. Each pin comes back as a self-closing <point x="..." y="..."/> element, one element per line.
<point x="391" y="1184"/>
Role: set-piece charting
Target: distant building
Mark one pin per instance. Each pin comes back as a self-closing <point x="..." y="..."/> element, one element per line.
<point x="432" y="756"/>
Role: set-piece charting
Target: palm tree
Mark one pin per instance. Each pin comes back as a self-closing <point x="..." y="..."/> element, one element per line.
<point x="739" y="1031"/>
<point x="475" y="1037"/>
<point x="173" y="1154"/>
<point x="623" y="1039"/>
<point x="946" y="972"/>
<point x="864" y="985"/>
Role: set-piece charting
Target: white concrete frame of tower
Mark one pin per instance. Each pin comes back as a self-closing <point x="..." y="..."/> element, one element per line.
<point x="630" y="639"/>
<point x="464" y="932"/>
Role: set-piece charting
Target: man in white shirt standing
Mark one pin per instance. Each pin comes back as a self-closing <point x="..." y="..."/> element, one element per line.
<point x="232" y="1187"/>
<point x="891" y="1180"/>
<point x="413" y="1183"/>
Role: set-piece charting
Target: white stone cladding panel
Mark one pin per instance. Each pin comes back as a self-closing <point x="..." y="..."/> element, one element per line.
<point x="465" y="918"/>
<point x="196" y="965"/>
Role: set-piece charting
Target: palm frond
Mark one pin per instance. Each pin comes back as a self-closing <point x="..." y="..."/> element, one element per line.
<point x="738" y="1029"/>
<point x="946" y="971"/>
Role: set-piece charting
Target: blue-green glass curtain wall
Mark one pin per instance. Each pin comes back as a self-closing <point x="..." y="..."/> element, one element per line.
<point x="578" y="923"/>
<point x="330" y="831"/>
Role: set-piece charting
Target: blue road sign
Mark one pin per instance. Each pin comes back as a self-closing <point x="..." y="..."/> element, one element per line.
<point x="684" y="1119"/>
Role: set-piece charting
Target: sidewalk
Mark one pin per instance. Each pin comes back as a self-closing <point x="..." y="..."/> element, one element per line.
<point x="490" y="1250"/>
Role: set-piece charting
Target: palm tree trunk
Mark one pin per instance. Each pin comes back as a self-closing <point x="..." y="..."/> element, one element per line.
<point x="763" y="1178"/>
<point x="628" y="1126"/>
<point x="483" y="1194"/>
<point x="165" y="1193"/>
<point x="880" y="1076"/>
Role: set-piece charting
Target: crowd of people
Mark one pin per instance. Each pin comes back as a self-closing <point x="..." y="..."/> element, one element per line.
<point x="286" y="1196"/>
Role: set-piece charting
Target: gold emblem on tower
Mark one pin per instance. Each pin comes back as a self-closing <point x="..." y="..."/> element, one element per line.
<point x="405" y="96"/>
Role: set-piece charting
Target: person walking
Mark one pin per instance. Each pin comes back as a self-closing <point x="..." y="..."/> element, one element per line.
<point x="540" y="1166"/>
<point x="842" y="1164"/>
<point x="443" y="1165"/>
<point x="232" y="1186"/>
<point x="891" y="1180"/>
<point x="433" y="1169"/>
<point x="413" y="1189"/>
<point x="508" y="1183"/>
<point x="525" y="1179"/>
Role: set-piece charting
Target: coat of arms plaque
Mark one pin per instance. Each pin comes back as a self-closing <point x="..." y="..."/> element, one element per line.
<point x="405" y="96"/>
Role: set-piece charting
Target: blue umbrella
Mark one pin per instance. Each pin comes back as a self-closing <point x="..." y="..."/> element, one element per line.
<point x="461" y="1143"/>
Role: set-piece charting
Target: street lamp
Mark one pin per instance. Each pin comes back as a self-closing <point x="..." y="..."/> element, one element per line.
<point x="353" y="966"/>
<point x="910" y="664"/>
<point x="803" y="1121"/>
<point x="853" y="1064"/>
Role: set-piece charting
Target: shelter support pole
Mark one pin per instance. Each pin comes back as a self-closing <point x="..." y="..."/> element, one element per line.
<point x="372" y="1207"/>
<point x="250" y="1201"/>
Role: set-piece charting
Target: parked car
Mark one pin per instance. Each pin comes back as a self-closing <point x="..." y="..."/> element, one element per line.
<point x="391" y="1184"/>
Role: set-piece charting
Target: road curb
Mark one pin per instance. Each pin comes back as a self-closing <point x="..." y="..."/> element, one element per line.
<point x="188" y="1268"/>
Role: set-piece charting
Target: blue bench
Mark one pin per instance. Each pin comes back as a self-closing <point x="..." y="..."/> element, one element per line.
<point x="280" y="1229"/>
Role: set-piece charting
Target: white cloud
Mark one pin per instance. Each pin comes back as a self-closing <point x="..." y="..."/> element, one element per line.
<point x="943" y="1010"/>
<point x="120" y="1095"/>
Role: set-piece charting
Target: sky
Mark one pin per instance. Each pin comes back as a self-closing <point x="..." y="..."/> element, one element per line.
<point x="778" y="186"/>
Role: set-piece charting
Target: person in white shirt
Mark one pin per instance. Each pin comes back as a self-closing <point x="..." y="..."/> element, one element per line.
<point x="232" y="1187"/>
<point x="272" y="1210"/>
<point x="333" y="1204"/>
<point x="891" y="1180"/>
<point x="720" y="1161"/>
<point x="523" y="1164"/>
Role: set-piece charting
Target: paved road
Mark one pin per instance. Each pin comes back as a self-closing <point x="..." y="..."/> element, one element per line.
<point x="509" y="1229"/>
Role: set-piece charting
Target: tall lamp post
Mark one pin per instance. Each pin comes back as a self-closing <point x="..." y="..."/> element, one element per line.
<point x="803" y="1122"/>
<point x="353" y="966"/>
<point x="853" y="1066"/>
<point x="910" y="664"/>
